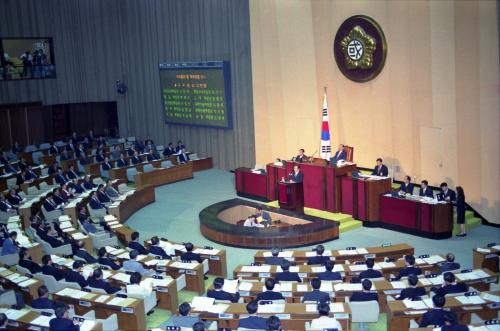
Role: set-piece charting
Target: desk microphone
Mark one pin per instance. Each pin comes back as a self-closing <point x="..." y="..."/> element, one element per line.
<point x="311" y="158"/>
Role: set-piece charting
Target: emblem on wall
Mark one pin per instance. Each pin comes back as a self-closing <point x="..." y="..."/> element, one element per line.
<point x="360" y="48"/>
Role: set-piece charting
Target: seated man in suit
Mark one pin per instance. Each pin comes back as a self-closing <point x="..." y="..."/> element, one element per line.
<point x="112" y="193"/>
<point x="365" y="295"/>
<point x="26" y="262"/>
<point x="269" y="294"/>
<point x="58" y="197"/>
<point x="133" y="265"/>
<point x="274" y="259"/>
<point x="49" y="268"/>
<point x="71" y="173"/>
<point x="425" y="190"/>
<point x="316" y="295"/>
<point x="179" y="146"/>
<point x="136" y="159"/>
<point x="43" y="301"/>
<point x="106" y="166"/>
<point x="252" y="321"/>
<point x="183" y="320"/>
<point x="219" y="294"/>
<point x="370" y="273"/>
<point x="3" y="322"/>
<point x="297" y="176"/>
<point x="450" y="264"/>
<point x="447" y="194"/>
<point x="412" y="291"/>
<point x="63" y="322"/>
<point x="87" y="183"/>
<point x="319" y="258"/>
<point x="324" y="321"/>
<point x="67" y="192"/>
<point x="60" y="178"/>
<point x="21" y="178"/>
<point x="102" y="196"/>
<point x="169" y="150"/>
<point x="122" y="162"/>
<point x="75" y="275"/>
<point x="329" y="274"/>
<point x="189" y="255"/>
<point x="135" y="244"/>
<point x="83" y="254"/>
<point x="156" y="249"/>
<point x="99" y="155"/>
<point x="410" y="268"/>
<point x="116" y="153"/>
<point x="22" y="164"/>
<point x="54" y="149"/>
<point x="286" y="275"/>
<point x="77" y="187"/>
<point x="64" y="156"/>
<point x="5" y="206"/>
<point x="50" y="236"/>
<point x="97" y="281"/>
<point x="70" y="147"/>
<point x="435" y="316"/>
<point x="95" y="203"/>
<point x="104" y="259"/>
<point x="150" y="156"/>
<point x="339" y="155"/>
<point x="30" y="174"/>
<point x="9" y="168"/>
<point x="14" y="198"/>
<point x="183" y="157"/>
<point x="450" y="285"/>
<point x="10" y="246"/>
<point x="406" y="187"/>
<point x="380" y="169"/>
<point x="301" y="157"/>
<point x="50" y="204"/>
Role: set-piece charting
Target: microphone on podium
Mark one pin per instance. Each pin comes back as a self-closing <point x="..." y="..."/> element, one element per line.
<point x="311" y="158"/>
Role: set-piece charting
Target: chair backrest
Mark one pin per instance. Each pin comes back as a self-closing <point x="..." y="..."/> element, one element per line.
<point x="131" y="139"/>
<point x="45" y="172"/>
<point x="110" y="323"/>
<point x="44" y="146"/>
<point x="22" y="269"/>
<point x="11" y="183"/>
<point x="131" y="172"/>
<point x="122" y="188"/>
<point x="349" y="151"/>
<point x="121" y="140"/>
<point x="148" y="168"/>
<point x="52" y="285"/>
<point x="59" y="143"/>
<point x="8" y="298"/>
<point x="98" y="181"/>
<point x="9" y="259"/>
<point x="166" y="164"/>
<point x="195" y="156"/>
<point x="160" y="148"/>
<point x="365" y="311"/>
<point x="30" y="148"/>
<point x="32" y="190"/>
<point x="70" y="284"/>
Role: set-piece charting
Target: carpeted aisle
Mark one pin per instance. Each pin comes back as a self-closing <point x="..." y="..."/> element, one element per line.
<point x="174" y="215"/>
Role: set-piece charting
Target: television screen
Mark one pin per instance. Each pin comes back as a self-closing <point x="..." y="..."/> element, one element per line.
<point x="26" y="58"/>
<point x="197" y="93"/>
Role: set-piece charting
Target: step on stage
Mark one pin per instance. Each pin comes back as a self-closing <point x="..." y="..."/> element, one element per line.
<point x="223" y="223"/>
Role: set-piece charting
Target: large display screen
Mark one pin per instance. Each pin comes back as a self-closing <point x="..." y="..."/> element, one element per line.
<point x="26" y="58"/>
<point x="197" y="93"/>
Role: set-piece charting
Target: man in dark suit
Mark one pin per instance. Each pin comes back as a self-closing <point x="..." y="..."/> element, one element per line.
<point x="21" y="178"/>
<point x="3" y="322"/>
<point x="71" y="173"/>
<point x="9" y="168"/>
<point x="62" y="322"/>
<point x="380" y="169"/>
<point x="95" y="203"/>
<point x="64" y="156"/>
<point x="131" y="151"/>
<point x="296" y="176"/>
<point x="48" y="268"/>
<point x="136" y="159"/>
<point x="97" y="281"/>
<point x="340" y="154"/>
<point x="50" y="204"/>
<point x="87" y="183"/>
<point x="435" y="316"/>
<point x="450" y="285"/>
<point x="447" y="194"/>
<point x="169" y="150"/>
<point x="365" y="295"/>
<point x="157" y="250"/>
<point x="370" y="273"/>
<point x="411" y="292"/>
<point x="77" y="187"/>
<point x="102" y="196"/>
<point x="14" y="198"/>
<point x="5" y="205"/>
<point x="30" y="174"/>
<point x="58" y="197"/>
<point x="269" y="294"/>
<point x="253" y="321"/>
<point x="184" y="320"/>
<point x="70" y="147"/>
<point x="43" y="301"/>
<point x="301" y="157"/>
<point x="410" y="268"/>
<point x="60" y="178"/>
<point x="316" y="295"/>
<point x="135" y="244"/>
<point x="106" y="166"/>
<point x="99" y="157"/>
<point x="451" y="322"/>
<point x="329" y="274"/>
<point x="425" y="190"/>
<point x="274" y="259"/>
<point x="179" y="146"/>
<point x="406" y="187"/>
<point x="319" y="258"/>
<point x="450" y="264"/>
<point x="189" y="255"/>
<point x="54" y="150"/>
<point x="83" y="254"/>
<point x="183" y="157"/>
<point x="75" y="275"/>
<point x="26" y="262"/>
<point x="286" y="275"/>
<point x="121" y="162"/>
<point x="151" y="157"/>
<point x="219" y="294"/>
<point x="105" y="260"/>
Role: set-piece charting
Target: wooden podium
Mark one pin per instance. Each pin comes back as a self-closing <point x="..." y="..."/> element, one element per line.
<point x="291" y="196"/>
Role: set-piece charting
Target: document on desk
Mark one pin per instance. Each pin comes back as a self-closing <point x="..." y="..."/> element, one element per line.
<point x="122" y="277"/>
<point x="398" y="285"/>
<point x="414" y="304"/>
<point x="362" y="251"/>
<point x="252" y="268"/>
<point x="204" y="251"/>
<point x="27" y="283"/>
<point x="117" y="302"/>
<point x="337" y="307"/>
<point x="285" y="254"/>
<point x="271" y="309"/>
<point x="161" y="282"/>
<point x="245" y="287"/>
<point x="182" y="265"/>
<point x="43" y="320"/>
<point x="428" y="302"/>
<point x="318" y="269"/>
<point x="326" y="286"/>
<point x="102" y="298"/>
<point x="14" y="314"/>
<point x="216" y="309"/>
<point x="311" y="308"/>
<point x="302" y="288"/>
<point x="437" y="280"/>
<point x="230" y="285"/>
<point x="425" y="281"/>
<point x="490" y="297"/>
<point x="201" y="302"/>
<point x="286" y="286"/>
<point x="434" y="259"/>
<point x="358" y="267"/>
<point x="106" y="274"/>
<point x="386" y="265"/>
<point x="483" y="250"/>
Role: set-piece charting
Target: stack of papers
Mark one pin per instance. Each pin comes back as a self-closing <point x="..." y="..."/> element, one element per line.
<point x="414" y="304"/>
<point x="358" y="267"/>
<point x="286" y="286"/>
<point x="348" y="287"/>
<point x="230" y="286"/>
<point x="471" y="300"/>
<point x="337" y="307"/>
<point x="483" y="250"/>
<point x="124" y="278"/>
<point x="326" y="287"/>
<point x="203" y="251"/>
<point x="434" y="259"/>
<point x="253" y="268"/>
<point x="398" y="285"/>
<point x="246" y="287"/>
<point x="182" y="265"/>
<point x="199" y="303"/>
<point x="491" y="297"/>
<point x="271" y="309"/>
<point x="13" y="314"/>
<point x="302" y="288"/>
<point x="386" y="265"/>
<point x="102" y="298"/>
<point x="42" y="320"/>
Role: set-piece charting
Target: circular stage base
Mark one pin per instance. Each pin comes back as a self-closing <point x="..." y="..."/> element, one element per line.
<point x="222" y="223"/>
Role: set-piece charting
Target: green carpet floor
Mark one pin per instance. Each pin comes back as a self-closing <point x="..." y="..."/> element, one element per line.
<point x="174" y="215"/>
